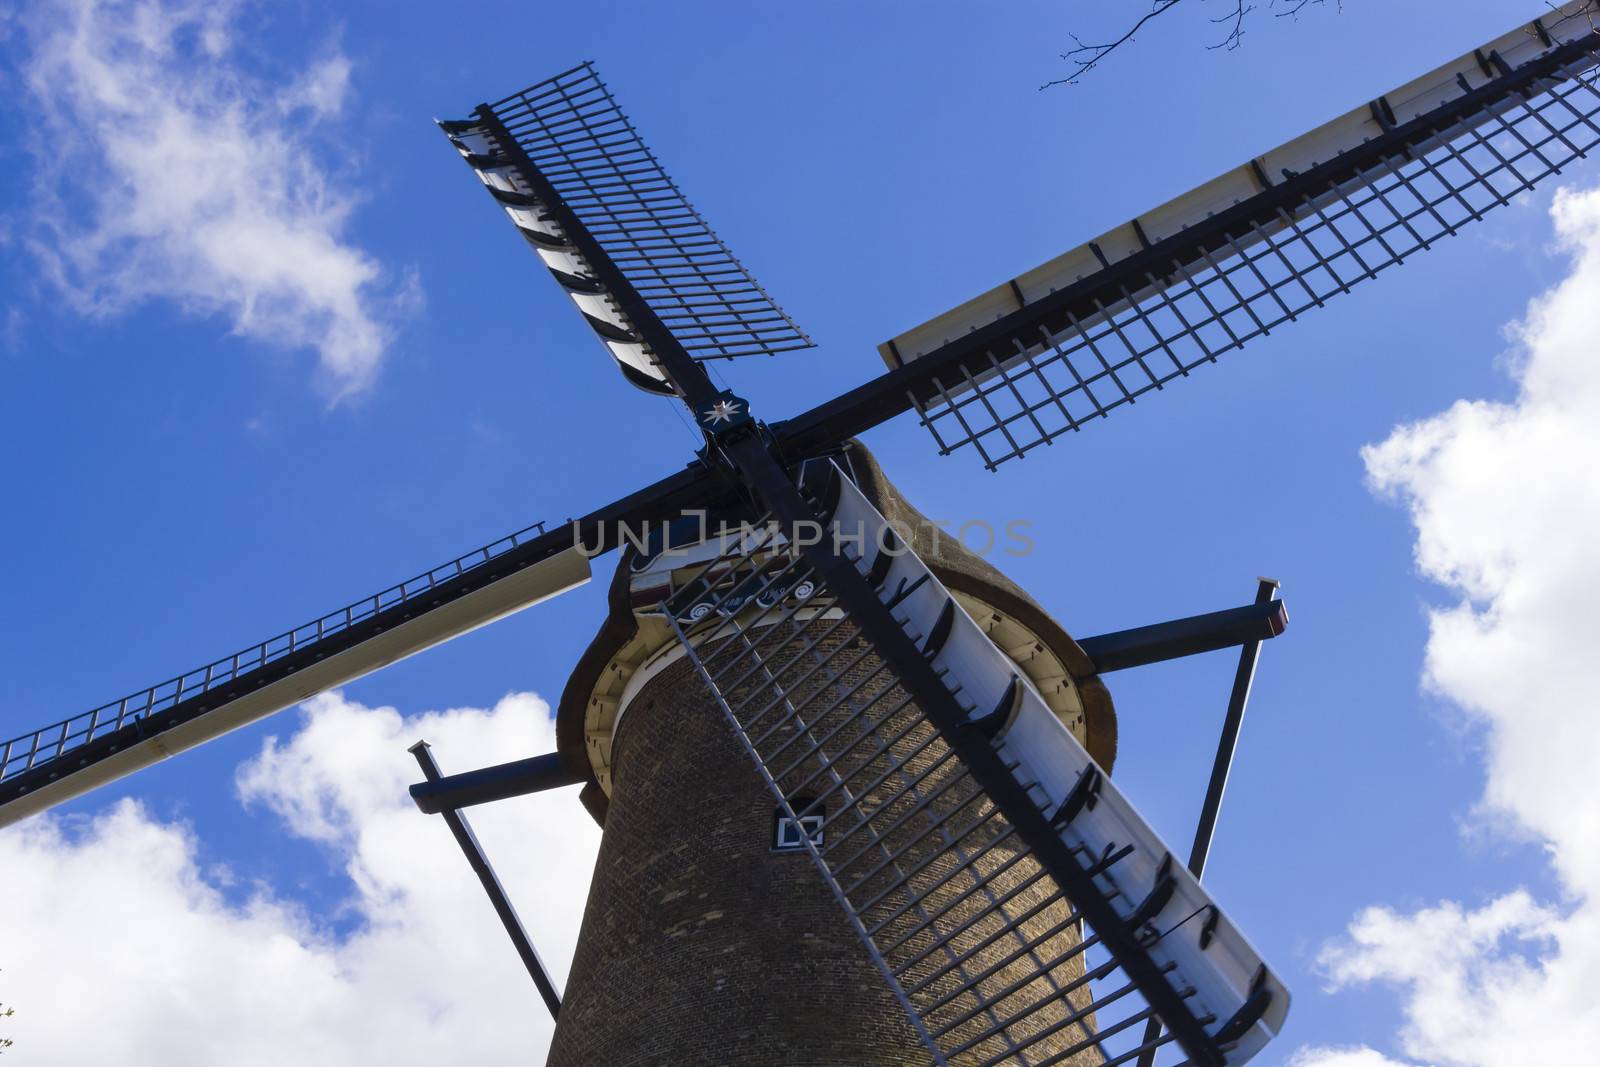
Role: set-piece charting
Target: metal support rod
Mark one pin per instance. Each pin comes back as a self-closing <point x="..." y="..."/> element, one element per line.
<point x="499" y="782"/>
<point x="491" y="885"/>
<point x="1186" y="637"/>
<point x="1243" y="677"/>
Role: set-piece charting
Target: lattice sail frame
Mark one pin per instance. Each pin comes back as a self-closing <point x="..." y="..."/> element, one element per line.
<point x="1156" y="298"/>
<point x="567" y="138"/>
<point x="827" y="721"/>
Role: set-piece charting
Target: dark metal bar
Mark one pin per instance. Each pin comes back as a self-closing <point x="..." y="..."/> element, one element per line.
<point x="1162" y="641"/>
<point x="491" y="885"/>
<point x="1243" y="678"/>
<point x="1223" y="764"/>
<point x="499" y="782"/>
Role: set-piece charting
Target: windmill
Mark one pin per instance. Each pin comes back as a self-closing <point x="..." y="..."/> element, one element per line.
<point x="925" y="735"/>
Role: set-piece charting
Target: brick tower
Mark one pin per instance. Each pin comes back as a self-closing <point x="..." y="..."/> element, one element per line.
<point x="704" y="940"/>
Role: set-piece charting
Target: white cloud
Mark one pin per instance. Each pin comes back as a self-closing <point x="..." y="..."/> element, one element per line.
<point x="1505" y="499"/>
<point x="1342" y="1057"/>
<point x="169" y="171"/>
<point x="118" y="948"/>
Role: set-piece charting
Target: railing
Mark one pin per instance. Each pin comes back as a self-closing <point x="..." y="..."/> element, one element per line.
<point x="53" y="741"/>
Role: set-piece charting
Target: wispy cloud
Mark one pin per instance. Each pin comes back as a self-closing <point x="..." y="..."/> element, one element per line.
<point x="1505" y="499"/>
<point x="1341" y="1057"/>
<point x="169" y="171"/>
<point x="120" y="947"/>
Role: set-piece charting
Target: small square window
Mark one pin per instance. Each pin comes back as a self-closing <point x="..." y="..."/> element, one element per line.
<point x="789" y="835"/>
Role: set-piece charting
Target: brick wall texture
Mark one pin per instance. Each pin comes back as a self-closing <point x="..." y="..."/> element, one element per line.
<point x="701" y="945"/>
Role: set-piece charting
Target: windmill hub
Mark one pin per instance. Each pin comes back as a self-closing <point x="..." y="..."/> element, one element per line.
<point x="725" y="414"/>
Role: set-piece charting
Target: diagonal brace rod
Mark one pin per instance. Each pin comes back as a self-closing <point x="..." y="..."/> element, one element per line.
<point x="1243" y="678"/>
<point x="491" y="885"/>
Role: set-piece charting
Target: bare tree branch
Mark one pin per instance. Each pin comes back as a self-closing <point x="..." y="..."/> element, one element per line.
<point x="1588" y="11"/>
<point x="1235" y="23"/>
<point x="1293" y="8"/>
<point x="1086" y="57"/>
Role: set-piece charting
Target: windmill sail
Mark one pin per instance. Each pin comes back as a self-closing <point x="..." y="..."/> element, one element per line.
<point x="956" y="901"/>
<point x="562" y="151"/>
<point x="1152" y="300"/>
<point x="71" y="757"/>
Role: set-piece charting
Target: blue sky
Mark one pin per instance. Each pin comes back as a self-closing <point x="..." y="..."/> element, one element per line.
<point x="185" y="478"/>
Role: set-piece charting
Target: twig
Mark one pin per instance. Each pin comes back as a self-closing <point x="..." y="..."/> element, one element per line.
<point x="1087" y="57"/>
<point x="1236" y="30"/>
<point x="1097" y="52"/>
<point x="1294" y="7"/>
